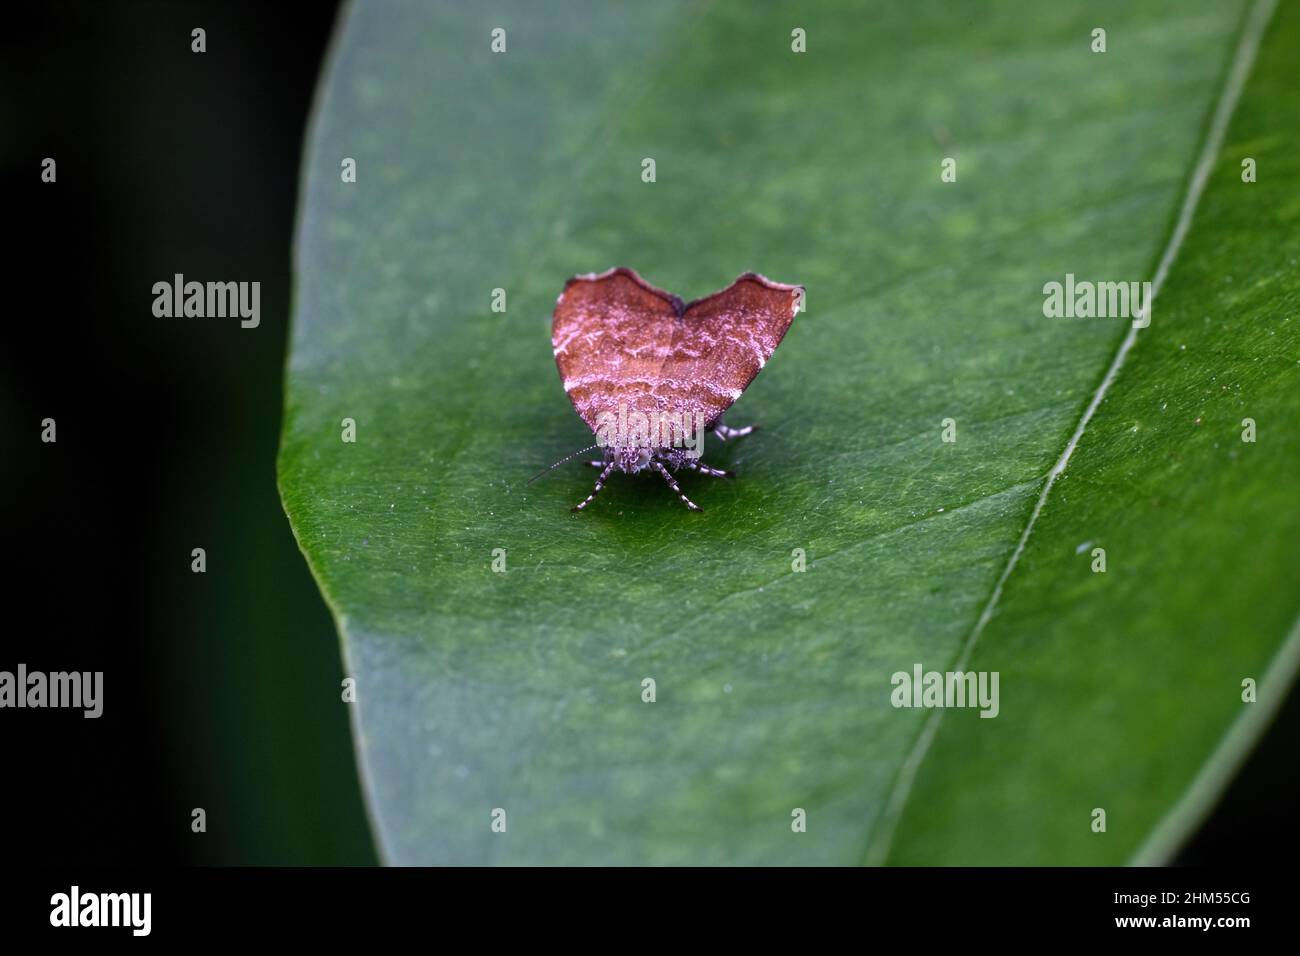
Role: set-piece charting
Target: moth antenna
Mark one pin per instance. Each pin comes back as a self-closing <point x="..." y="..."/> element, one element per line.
<point x="580" y="451"/>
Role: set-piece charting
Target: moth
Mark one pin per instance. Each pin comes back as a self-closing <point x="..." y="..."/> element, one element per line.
<point x="651" y="374"/>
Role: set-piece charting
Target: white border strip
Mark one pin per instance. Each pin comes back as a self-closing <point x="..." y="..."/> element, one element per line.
<point x="1244" y="58"/>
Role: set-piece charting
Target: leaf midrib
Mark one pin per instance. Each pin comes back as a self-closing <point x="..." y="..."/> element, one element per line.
<point x="1255" y="22"/>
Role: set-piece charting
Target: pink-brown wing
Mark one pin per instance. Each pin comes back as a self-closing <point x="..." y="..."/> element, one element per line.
<point x="611" y="333"/>
<point x="723" y="340"/>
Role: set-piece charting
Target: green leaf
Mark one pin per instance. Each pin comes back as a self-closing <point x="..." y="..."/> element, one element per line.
<point x="522" y="690"/>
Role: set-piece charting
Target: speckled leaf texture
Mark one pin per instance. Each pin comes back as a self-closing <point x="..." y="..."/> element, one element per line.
<point x="522" y="690"/>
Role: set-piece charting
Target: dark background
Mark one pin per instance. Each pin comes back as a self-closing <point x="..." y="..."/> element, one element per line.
<point x="222" y="690"/>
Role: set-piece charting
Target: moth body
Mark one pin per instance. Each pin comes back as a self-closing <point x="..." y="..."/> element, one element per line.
<point x="651" y="375"/>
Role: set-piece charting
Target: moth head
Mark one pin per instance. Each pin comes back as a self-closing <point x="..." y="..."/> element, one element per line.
<point x="632" y="458"/>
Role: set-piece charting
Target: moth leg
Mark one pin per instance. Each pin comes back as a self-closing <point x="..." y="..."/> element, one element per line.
<point x="706" y="470"/>
<point x="672" y="483"/>
<point x="600" y="483"/>
<point x="726" y="434"/>
<point x="597" y="464"/>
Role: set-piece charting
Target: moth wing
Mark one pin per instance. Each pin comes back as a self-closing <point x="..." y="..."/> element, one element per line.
<point x="723" y="340"/>
<point x="611" y="334"/>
